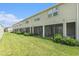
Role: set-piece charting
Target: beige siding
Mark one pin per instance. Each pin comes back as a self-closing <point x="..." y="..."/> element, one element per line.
<point x="67" y="12"/>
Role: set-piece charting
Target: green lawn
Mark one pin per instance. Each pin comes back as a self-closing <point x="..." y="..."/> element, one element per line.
<point x="14" y="44"/>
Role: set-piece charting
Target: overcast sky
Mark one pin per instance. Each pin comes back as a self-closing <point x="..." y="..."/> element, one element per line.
<point x="11" y="13"/>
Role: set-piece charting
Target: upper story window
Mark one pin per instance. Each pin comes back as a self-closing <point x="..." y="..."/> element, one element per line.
<point x="50" y="13"/>
<point x="53" y="12"/>
<point x="37" y="19"/>
<point x="27" y="21"/>
<point x="19" y="25"/>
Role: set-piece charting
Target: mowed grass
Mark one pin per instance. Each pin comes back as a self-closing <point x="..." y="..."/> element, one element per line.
<point x="20" y="45"/>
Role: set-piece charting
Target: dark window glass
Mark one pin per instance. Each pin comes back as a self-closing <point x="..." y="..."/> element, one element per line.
<point x="38" y="30"/>
<point x="50" y="15"/>
<point x="55" y="13"/>
<point x="27" y="21"/>
<point x="37" y="19"/>
<point x="71" y="29"/>
<point x="51" y="30"/>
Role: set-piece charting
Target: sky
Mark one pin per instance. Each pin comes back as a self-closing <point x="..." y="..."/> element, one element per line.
<point x="11" y="13"/>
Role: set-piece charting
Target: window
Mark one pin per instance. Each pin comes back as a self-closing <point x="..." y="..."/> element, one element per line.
<point x="20" y="24"/>
<point x="53" y="12"/>
<point x="37" y="19"/>
<point x="50" y="13"/>
<point x="27" y="21"/>
<point x="38" y="30"/>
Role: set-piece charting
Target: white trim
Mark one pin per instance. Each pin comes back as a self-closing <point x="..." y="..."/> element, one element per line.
<point x="64" y="28"/>
<point x="43" y="31"/>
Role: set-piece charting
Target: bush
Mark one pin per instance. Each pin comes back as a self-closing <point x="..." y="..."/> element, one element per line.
<point x="69" y="41"/>
<point x="19" y="33"/>
<point x="58" y="38"/>
<point x="65" y="40"/>
<point x="77" y="43"/>
<point x="28" y="34"/>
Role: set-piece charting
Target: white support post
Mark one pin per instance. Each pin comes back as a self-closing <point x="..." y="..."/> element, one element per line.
<point x="64" y="29"/>
<point x="32" y="30"/>
<point x="43" y="31"/>
<point x="77" y="24"/>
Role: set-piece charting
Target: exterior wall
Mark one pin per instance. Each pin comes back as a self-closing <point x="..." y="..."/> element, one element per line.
<point x="67" y="13"/>
<point x="10" y="29"/>
<point x="78" y="21"/>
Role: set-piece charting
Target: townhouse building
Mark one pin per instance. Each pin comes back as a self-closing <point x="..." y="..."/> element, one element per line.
<point x="62" y="18"/>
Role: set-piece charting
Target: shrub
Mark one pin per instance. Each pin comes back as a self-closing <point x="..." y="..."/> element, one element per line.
<point x="69" y="41"/>
<point x="28" y="34"/>
<point x="65" y="40"/>
<point x="77" y="43"/>
<point x="19" y="32"/>
<point x="58" y="38"/>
